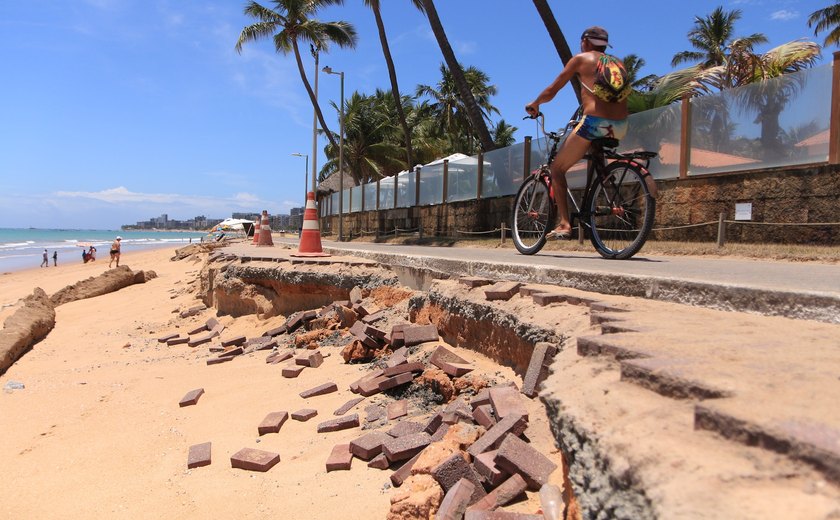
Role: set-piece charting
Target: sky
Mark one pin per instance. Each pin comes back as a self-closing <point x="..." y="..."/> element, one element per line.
<point x="117" y="111"/>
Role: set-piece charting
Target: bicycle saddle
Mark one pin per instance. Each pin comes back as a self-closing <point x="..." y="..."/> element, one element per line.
<point x="606" y="142"/>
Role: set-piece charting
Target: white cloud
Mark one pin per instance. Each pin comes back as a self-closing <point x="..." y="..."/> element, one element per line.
<point x="123" y="196"/>
<point x="465" y="48"/>
<point x="784" y="15"/>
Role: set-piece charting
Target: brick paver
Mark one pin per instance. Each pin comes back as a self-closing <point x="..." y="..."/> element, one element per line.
<point x="341" y="423"/>
<point x="517" y="456"/>
<point x="340" y="458"/>
<point x="406" y="447"/>
<point x="254" y="460"/>
<point x="369" y="445"/>
<point x="346" y="407"/>
<point x="456" y="500"/>
<point x="199" y="455"/>
<point x="453" y="469"/>
<point x="326" y="388"/>
<point x="304" y="414"/>
<point x="191" y="397"/>
<point x="272" y="422"/>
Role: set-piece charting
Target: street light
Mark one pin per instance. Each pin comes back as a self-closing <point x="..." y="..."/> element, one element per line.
<point x="329" y="70"/>
<point x="305" y="181"/>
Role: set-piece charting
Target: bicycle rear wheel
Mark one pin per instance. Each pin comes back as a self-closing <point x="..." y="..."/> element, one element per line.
<point x="533" y="213"/>
<point x="621" y="211"/>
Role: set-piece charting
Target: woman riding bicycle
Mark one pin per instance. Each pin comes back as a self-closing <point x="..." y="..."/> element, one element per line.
<point x="604" y="104"/>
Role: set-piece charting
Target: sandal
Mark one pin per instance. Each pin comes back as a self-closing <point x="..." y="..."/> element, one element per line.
<point x="565" y="234"/>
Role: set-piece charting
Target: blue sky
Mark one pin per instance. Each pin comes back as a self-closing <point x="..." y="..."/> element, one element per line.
<point x="114" y="111"/>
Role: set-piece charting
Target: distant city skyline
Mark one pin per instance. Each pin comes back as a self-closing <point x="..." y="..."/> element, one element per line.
<point x="291" y="220"/>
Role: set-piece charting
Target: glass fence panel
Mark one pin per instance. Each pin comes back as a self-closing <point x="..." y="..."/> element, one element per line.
<point x="657" y="130"/>
<point x="431" y="184"/>
<point x="405" y="189"/>
<point x="370" y="196"/>
<point x="503" y="170"/>
<point x="778" y="122"/>
<point x="355" y="199"/>
<point x="345" y="202"/>
<point x="463" y="179"/>
<point x="333" y="207"/>
<point x="386" y="193"/>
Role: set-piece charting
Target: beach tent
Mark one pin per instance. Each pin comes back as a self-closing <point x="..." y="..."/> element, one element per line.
<point x="233" y="224"/>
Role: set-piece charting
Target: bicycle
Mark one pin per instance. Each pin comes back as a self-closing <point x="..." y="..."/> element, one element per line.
<point x="617" y="206"/>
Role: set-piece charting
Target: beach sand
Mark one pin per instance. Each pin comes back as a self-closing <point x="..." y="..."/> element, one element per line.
<point x="98" y="433"/>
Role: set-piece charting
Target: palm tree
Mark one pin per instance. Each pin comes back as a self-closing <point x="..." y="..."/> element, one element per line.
<point x="827" y="19"/>
<point x="557" y="38"/>
<point x="633" y="65"/>
<point x="472" y="109"/>
<point x="450" y="111"/>
<point x="711" y="37"/>
<point x="503" y="134"/>
<point x="395" y="89"/>
<point x="292" y="19"/>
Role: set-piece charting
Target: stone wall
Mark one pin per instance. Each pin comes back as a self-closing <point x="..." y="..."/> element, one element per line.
<point x="782" y="195"/>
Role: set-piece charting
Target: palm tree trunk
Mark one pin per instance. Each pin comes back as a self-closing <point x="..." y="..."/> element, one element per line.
<point x="473" y="111"/>
<point x="558" y="38"/>
<point x="312" y="95"/>
<point x="395" y="89"/>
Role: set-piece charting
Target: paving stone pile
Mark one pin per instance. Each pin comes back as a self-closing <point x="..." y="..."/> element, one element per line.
<point x="466" y="458"/>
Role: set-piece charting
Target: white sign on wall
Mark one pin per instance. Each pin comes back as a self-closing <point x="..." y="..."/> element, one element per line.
<point x="743" y="211"/>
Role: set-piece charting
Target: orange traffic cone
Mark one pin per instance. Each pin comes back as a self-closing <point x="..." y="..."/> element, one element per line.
<point x="265" y="231"/>
<point x="256" y="232"/>
<point x="310" y="236"/>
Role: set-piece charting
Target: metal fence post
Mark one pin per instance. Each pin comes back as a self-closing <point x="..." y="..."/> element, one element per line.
<point x="834" y="125"/>
<point x="445" y="181"/>
<point x="504" y="233"/>
<point x="526" y="162"/>
<point x="480" y="175"/>
<point x="685" y="135"/>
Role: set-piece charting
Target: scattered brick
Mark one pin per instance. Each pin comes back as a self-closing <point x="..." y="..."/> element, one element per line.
<point x="404" y="428"/>
<point x="236" y="351"/>
<point x="475" y="514"/>
<point x="191" y="397"/>
<point x="346" y="407"/>
<point x="214" y="348"/>
<point x="483" y="415"/>
<point x="358" y="330"/>
<point x="543" y="352"/>
<point x="342" y="423"/>
<point x="254" y="460"/>
<point x="456" y="369"/>
<point x="200" y="328"/>
<point x="504" y="494"/>
<point x="420" y="334"/>
<point x="416" y="366"/>
<point x="371" y="386"/>
<point x="238" y="340"/>
<point x="211" y="323"/>
<point x="276" y="331"/>
<point x="340" y="458"/>
<point x="326" y="388"/>
<point x="547" y="298"/>
<point x="492" y="438"/>
<point x="395" y="360"/>
<point x="456" y="411"/>
<point x="375" y="316"/>
<point x="379" y="462"/>
<point x="506" y="400"/>
<point x="406" y="447"/>
<point x="456" y="500"/>
<point x="440" y="432"/>
<point x="433" y="423"/>
<point x="164" y="339"/>
<point x="219" y="360"/>
<point x="293" y="322"/>
<point x="529" y="290"/>
<point x="177" y="341"/>
<point x="393" y="382"/>
<point x="369" y="445"/>
<point x="473" y="281"/>
<point x="481" y="398"/>
<point x="201" y="339"/>
<point x="453" y="469"/>
<point x="486" y="467"/>
<point x="502" y="291"/>
<point x="373" y="332"/>
<point x="354" y="386"/>
<point x="374" y="413"/>
<point x="517" y="456"/>
<point x="312" y="359"/>
<point x="443" y="355"/>
<point x="272" y="422"/>
<point x="304" y="414"/>
<point x="397" y="409"/>
<point x="261" y="343"/>
<point x="278" y="357"/>
<point x="355" y="295"/>
<point x="199" y="455"/>
<point x="397" y="339"/>
<point x="192" y="311"/>
<point x="292" y="371"/>
<point x="399" y="476"/>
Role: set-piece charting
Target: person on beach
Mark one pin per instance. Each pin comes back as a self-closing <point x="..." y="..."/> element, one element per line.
<point x="115" y="251"/>
<point x="46" y="261"/>
<point x="92" y="254"/>
<point x="55" y="258"/>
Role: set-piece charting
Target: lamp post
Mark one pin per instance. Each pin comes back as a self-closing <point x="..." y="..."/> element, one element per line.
<point x="305" y="174"/>
<point x="329" y="70"/>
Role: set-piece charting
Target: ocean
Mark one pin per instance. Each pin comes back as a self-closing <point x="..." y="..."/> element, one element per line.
<point x="23" y="248"/>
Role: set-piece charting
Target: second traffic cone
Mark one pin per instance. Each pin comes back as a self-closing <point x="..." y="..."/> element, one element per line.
<point x="310" y="236"/>
<point x="256" y="232"/>
<point x="265" y="231"/>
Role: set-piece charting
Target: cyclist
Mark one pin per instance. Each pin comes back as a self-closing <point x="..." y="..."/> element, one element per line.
<point x="604" y="112"/>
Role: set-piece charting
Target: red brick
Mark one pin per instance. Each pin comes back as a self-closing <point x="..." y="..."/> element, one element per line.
<point x="238" y="340"/>
<point x="483" y="415"/>
<point x="541" y="357"/>
<point x="528" y="290"/>
<point x="340" y="458"/>
<point x="211" y="323"/>
<point x="191" y="397"/>
<point x="486" y="467"/>
<point x="473" y="281"/>
<point x="278" y="357"/>
<point x="177" y="341"/>
<point x="481" y="398"/>
<point x="547" y="298"/>
<point x="326" y="388"/>
<point x="506" y="400"/>
<point x="416" y="366"/>
<point x="476" y="514"/>
<point x="373" y="332"/>
<point x="420" y="334"/>
<point x="399" y="476"/>
<point x="405" y="447"/>
<point x="517" y="456"/>
<point x="272" y="422"/>
<point x="346" y="407"/>
<point x="453" y="469"/>
<point x="395" y="360"/>
<point x="164" y="339"/>
<point x="379" y="462"/>
<point x="342" y="423"/>
<point x="393" y="382"/>
<point x="261" y="343"/>
<point x="504" y="494"/>
<point x="355" y="295"/>
<point x="201" y="339"/>
<point x="375" y="316"/>
<point x="455" y="501"/>
<point x="403" y="428"/>
<point x="254" y="460"/>
<point x="512" y="424"/>
<point x="215" y="348"/>
<point x="502" y="290"/>
<point x="433" y="423"/>
<point x="196" y="330"/>
<point x="374" y="413"/>
<point x="371" y="386"/>
<point x="456" y="369"/>
<point x="291" y="371"/>
<point x="219" y="360"/>
<point x="199" y="455"/>
<point x="369" y="445"/>
<point x="304" y="415"/>
<point x="443" y="355"/>
<point x="233" y="352"/>
<point x="440" y="432"/>
<point x="397" y="409"/>
<point x="358" y="330"/>
<point x="312" y="359"/>
<point x="276" y="331"/>
<point x="457" y="411"/>
<point x="354" y="386"/>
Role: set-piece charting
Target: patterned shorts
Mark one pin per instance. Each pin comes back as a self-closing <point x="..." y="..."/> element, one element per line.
<point x="593" y="127"/>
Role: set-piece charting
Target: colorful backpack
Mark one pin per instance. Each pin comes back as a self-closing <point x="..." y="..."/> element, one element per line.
<point x="611" y="80"/>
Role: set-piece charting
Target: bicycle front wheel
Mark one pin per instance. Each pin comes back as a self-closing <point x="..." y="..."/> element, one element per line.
<point x="533" y="213"/>
<point x="621" y="211"/>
